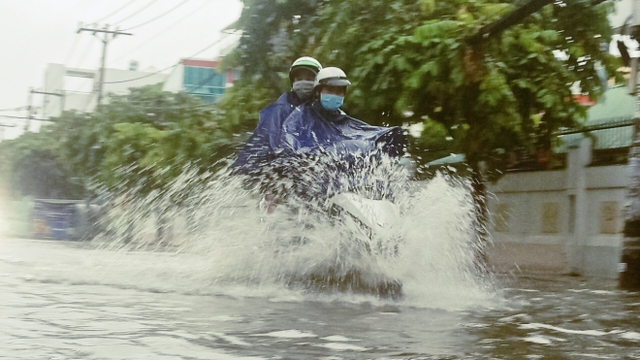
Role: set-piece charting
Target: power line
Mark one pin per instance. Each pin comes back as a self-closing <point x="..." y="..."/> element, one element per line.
<point x="148" y="41"/>
<point x="72" y="50"/>
<point x="15" y="109"/>
<point x="84" y="55"/>
<point x="108" y="36"/>
<point x="208" y="47"/>
<point x="115" y="12"/>
<point x="137" y="12"/>
<point x="23" y="117"/>
<point x="159" y="16"/>
<point x="141" y="77"/>
<point x="167" y="68"/>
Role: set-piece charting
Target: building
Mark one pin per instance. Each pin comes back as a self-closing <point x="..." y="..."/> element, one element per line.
<point x="569" y="220"/>
<point x="201" y="78"/>
<point x="59" y="96"/>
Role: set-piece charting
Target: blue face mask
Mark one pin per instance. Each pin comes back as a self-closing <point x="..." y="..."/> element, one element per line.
<point x="331" y="101"/>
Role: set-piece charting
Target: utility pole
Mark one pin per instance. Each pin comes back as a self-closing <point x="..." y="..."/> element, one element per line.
<point x="29" y="110"/>
<point x="108" y="35"/>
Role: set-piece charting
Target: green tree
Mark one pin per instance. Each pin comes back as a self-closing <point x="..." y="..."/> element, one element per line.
<point x="414" y="57"/>
<point x="154" y="134"/>
<point x="158" y="133"/>
<point x="29" y="166"/>
<point x="414" y="60"/>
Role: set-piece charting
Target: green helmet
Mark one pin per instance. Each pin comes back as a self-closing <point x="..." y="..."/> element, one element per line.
<point x="306" y="62"/>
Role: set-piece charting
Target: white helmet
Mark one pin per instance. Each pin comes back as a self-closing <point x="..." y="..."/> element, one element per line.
<point x="332" y="76"/>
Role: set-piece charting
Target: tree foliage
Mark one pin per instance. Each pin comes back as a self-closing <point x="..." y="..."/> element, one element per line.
<point x="139" y="141"/>
<point x="412" y="61"/>
<point x="30" y="167"/>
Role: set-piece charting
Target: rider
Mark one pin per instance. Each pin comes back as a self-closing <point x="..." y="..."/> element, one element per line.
<point x="261" y="146"/>
<point x="326" y="142"/>
<point x="321" y="124"/>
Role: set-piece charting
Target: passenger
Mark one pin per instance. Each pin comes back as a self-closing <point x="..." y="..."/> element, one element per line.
<point x="321" y="124"/>
<point x="320" y="143"/>
<point x="261" y="146"/>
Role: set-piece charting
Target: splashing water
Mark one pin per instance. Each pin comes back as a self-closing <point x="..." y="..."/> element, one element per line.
<point x="216" y="235"/>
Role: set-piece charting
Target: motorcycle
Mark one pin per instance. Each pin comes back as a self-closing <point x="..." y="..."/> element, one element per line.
<point x="347" y="190"/>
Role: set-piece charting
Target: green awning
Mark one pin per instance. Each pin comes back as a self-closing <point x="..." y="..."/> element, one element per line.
<point x="448" y="160"/>
<point x="616" y="106"/>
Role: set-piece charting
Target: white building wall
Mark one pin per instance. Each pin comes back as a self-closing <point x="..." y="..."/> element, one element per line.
<point x="143" y="79"/>
<point x="53" y="82"/>
<point x="566" y="221"/>
<point x="175" y="82"/>
<point x="116" y="81"/>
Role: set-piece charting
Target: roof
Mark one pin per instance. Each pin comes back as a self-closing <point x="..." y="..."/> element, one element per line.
<point x="448" y="160"/>
<point x="199" y="63"/>
<point x="616" y="106"/>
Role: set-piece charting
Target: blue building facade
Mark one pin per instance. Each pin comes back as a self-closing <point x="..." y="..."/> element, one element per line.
<point x="200" y="78"/>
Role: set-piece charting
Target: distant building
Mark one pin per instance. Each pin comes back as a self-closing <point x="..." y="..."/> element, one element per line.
<point x="201" y="78"/>
<point x="116" y="81"/>
<point x="570" y="219"/>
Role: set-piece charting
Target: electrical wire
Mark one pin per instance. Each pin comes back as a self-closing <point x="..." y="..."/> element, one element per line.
<point x="157" y="17"/>
<point x="72" y="49"/>
<point x="15" y="109"/>
<point x="137" y="12"/>
<point x="167" y="68"/>
<point x="141" y="77"/>
<point x="21" y="117"/>
<point x="115" y="12"/>
<point x="84" y="55"/>
<point x="148" y="41"/>
<point x="208" y="47"/>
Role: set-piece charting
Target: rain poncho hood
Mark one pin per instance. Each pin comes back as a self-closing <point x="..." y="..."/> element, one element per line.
<point x="310" y="129"/>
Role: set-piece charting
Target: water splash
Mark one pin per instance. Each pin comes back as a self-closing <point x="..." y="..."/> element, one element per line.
<point x="218" y="235"/>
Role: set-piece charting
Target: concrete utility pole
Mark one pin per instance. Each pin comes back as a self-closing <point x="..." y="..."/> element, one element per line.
<point x="629" y="267"/>
<point x="29" y="110"/>
<point x="60" y="94"/>
<point x="108" y="35"/>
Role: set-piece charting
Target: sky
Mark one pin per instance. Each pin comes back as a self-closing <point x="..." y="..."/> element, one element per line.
<point x="38" y="32"/>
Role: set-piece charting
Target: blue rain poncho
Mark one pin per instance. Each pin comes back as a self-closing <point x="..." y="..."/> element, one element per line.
<point x="262" y="145"/>
<point x="306" y="151"/>
<point x="309" y="129"/>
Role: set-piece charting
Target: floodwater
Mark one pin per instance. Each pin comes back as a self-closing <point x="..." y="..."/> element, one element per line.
<point x="223" y="290"/>
<point x="61" y="300"/>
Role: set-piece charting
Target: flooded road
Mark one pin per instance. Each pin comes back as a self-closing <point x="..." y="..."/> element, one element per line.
<point x="66" y="300"/>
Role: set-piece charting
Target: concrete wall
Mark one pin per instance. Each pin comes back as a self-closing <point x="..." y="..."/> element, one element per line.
<point x="567" y="221"/>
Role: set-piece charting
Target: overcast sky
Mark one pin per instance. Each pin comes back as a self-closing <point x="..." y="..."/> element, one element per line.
<point x="38" y="32"/>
